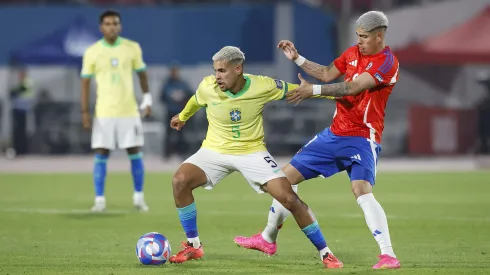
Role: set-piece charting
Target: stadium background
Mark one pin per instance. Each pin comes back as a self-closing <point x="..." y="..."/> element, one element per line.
<point x="430" y="179"/>
<point x="431" y="112"/>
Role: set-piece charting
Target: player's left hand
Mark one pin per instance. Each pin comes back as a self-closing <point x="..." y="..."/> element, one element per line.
<point x="305" y="90"/>
<point x="146" y="104"/>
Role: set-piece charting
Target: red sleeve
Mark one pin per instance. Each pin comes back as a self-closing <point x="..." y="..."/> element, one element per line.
<point x="385" y="69"/>
<point x="340" y="63"/>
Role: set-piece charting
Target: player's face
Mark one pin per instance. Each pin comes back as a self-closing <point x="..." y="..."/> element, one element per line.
<point x="368" y="42"/>
<point x="111" y="27"/>
<point x="227" y="74"/>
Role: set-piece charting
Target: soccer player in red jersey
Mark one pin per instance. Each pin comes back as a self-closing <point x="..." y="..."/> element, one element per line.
<point x="352" y="142"/>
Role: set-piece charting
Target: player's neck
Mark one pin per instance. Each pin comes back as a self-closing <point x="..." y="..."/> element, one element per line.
<point x="380" y="49"/>
<point x="239" y="85"/>
<point x="111" y="41"/>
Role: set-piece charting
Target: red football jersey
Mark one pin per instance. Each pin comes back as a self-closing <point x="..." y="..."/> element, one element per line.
<point x="363" y="115"/>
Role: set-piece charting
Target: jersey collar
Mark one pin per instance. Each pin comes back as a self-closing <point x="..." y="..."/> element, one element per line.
<point x="242" y="91"/>
<point x="116" y="43"/>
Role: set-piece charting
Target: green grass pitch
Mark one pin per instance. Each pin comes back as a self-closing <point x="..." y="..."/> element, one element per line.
<point x="439" y="223"/>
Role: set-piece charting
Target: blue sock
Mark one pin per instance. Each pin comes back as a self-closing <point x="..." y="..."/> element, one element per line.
<point x="188" y="219"/>
<point x="100" y="170"/>
<point x="138" y="171"/>
<point x="315" y="235"/>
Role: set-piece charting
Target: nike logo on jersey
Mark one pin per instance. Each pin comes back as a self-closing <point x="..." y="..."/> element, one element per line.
<point x="215" y="103"/>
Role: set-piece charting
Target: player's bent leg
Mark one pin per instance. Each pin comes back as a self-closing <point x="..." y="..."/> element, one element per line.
<point x="265" y="241"/>
<point x="99" y="176"/>
<point x="138" y="173"/>
<point x="277" y="212"/>
<point x="361" y="179"/>
<point x="187" y="178"/>
<point x="280" y="189"/>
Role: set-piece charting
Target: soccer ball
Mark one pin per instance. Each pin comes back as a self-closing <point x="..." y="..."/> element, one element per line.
<point x="153" y="249"/>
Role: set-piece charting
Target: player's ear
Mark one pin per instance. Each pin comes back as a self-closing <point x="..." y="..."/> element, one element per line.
<point x="239" y="69"/>
<point x="379" y="36"/>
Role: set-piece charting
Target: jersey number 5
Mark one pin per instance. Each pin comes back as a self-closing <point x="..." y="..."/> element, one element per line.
<point x="236" y="131"/>
<point x="271" y="162"/>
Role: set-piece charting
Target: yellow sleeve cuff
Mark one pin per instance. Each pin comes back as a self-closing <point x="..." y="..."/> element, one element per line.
<point x="322" y="96"/>
<point x="190" y="109"/>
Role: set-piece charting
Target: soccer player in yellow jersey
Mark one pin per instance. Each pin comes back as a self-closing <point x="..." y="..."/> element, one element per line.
<point x="234" y="142"/>
<point x="117" y="123"/>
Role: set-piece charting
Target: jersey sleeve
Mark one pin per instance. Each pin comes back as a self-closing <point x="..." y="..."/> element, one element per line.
<point x="385" y="70"/>
<point x="88" y="64"/>
<point x="278" y="88"/>
<point x="138" y="63"/>
<point x="340" y="62"/>
<point x="201" y="95"/>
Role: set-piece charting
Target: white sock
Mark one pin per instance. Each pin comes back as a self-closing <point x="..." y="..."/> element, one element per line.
<point x="196" y="243"/>
<point x="376" y="221"/>
<point x="99" y="200"/>
<point x="325" y="251"/>
<point x="138" y="196"/>
<point x="277" y="216"/>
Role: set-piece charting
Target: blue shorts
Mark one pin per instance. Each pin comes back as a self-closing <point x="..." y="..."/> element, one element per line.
<point x="327" y="154"/>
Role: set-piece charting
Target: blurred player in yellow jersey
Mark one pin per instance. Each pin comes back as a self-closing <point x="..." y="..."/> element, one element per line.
<point x="235" y="142"/>
<point x="117" y="122"/>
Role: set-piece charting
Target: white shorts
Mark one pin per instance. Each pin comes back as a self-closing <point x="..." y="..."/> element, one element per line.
<point x="257" y="168"/>
<point x="117" y="133"/>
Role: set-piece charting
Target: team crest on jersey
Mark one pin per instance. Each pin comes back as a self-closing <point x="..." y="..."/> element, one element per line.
<point x="369" y="66"/>
<point x="378" y="77"/>
<point x="114" y="62"/>
<point x="278" y="84"/>
<point x="235" y="114"/>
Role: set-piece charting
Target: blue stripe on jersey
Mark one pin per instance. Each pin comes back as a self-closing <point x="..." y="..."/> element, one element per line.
<point x="388" y="64"/>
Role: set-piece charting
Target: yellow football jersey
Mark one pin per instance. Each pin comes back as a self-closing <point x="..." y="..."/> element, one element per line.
<point x="113" y="66"/>
<point x="235" y="120"/>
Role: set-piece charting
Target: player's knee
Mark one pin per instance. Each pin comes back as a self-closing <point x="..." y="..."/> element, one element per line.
<point x="290" y="201"/>
<point x="361" y="187"/>
<point x="180" y="181"/>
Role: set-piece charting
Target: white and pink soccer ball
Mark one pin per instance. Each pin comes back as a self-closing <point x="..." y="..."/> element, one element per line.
<point x="153" y="249"/>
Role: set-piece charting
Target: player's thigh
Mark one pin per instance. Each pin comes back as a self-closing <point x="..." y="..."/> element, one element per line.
<point x="281" y="190"/>
<point x="359" y="156"/>
<point x="258" y="169"/>
<point x="215" y="166"/>
<point x="294" y="175"/>
<point x="316" y="158"/>
<point x="129" y="132"/>
<point x="104" y="133"/>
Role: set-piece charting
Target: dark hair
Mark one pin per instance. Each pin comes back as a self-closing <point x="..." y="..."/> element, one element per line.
<point x="108" y="13"/>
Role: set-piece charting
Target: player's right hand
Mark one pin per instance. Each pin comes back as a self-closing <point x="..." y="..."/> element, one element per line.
<point x="288" y="49"/>
<point x="86" y="120"/>
<point x="176" y="123"/>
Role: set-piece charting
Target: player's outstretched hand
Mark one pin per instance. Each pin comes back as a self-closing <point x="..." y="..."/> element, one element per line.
<point x="305" y="90"/>
<point x="86" y="121"/>
<point x="288" y="49"/>
<point x="176" y="123"/>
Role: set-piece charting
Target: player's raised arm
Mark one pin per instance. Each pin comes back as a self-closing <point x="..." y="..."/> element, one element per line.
<point x="195" y="103"/>
<point x="86" y="75"/>
<point x="320" y="72"/>
<point x="280" y="88"/>
<point x="363" y="82"/>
